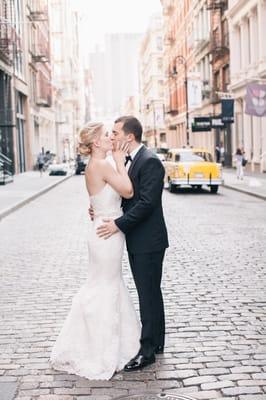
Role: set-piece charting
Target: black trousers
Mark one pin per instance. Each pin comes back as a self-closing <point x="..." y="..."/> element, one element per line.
<point x="147" y="273"/>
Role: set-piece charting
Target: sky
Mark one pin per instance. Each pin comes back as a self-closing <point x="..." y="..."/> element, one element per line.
<point x="108" y="16"/>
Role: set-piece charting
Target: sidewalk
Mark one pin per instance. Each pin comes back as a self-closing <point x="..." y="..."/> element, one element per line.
<point x="26" y="187"/>
<point x="253" y="184"/>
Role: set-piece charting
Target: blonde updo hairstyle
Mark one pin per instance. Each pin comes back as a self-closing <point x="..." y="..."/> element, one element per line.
<point x="87" y="135"/>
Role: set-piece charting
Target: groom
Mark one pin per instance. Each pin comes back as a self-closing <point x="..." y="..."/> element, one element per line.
<point x="146" y="237"/>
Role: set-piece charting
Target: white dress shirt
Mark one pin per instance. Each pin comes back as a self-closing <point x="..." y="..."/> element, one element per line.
<point x="133" y="154"/>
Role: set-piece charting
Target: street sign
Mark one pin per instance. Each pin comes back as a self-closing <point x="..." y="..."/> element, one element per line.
<point x="201" y="124"/>
<point x="256" y="100"/>
<point x="228" y="110"/>
<point x="194" y="93"/>
<point x="217" y="122"/>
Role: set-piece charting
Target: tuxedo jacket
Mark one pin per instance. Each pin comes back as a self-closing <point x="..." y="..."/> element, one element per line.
<point x="143" y="221"/>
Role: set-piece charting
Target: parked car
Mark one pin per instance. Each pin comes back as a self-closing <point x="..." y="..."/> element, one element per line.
<point x="192" y="167"/>
<point x="81" y="163"/>
<point x="160" y="153"/>
<point x="58" y="169"/>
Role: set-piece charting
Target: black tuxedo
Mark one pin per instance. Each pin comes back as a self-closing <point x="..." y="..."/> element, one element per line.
<point x="146" y="238"/>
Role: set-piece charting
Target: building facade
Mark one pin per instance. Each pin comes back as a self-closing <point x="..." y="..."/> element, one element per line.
<point x="203" y="68"/>
<point x="42" y="114"/>
<point x="152" y="84"/>
<point x="67" y="78"/>
<point x="247" y="22"/>
<point x="220" y="62"/>
<point x="197" y="70"/>
<point x="42" y="94"/>
<point x="211" y="53"/>
<point x="15" y="144"/>
<point x="179" y="67"/>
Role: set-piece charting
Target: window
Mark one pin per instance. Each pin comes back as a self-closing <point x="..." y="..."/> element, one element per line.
<point x="18" y="59"/>
<point x="225" y="33"/>
<point x="217" y="81"/>
<point x="161" y="88"/>
<point x="20" y="130"/>
<point x="169" y="157"/>
<point x="163" y="137"/>
<point x="226" y="77"/>
<point x="160" y="64"/>
<point x="159" y="43"/>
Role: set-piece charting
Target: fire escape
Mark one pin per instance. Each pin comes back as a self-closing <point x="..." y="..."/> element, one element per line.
<point x="40" y="53"/>
<point x="219" y="51"/>
<point x="219" y="43"/>
<point x="168" y="7"/>
<point x="38" y="11"/>
<point x="214" y="5"/>
<point x="219" y="46"/>
<point x="171" y="105"/>
<point x="44" y="96"/>
<point x="6" y="52"/>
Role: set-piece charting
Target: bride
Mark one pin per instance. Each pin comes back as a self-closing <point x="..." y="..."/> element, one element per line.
<point x="101" y="332"/>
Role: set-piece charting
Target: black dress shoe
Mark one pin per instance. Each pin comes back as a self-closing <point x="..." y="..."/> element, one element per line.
<point x="139" y="362"/>
<point x="159" y="350"/>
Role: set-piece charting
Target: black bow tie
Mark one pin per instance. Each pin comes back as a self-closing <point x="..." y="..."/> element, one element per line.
<point x="128" y="158"/>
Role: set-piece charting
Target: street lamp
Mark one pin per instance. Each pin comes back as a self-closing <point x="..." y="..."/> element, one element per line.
<point x="183" y="61"/>
<point x="154" y="121"/>
<point x="154" y="127"/>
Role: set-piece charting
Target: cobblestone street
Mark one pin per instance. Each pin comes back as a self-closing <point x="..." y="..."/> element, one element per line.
<point x="213" y="285"/>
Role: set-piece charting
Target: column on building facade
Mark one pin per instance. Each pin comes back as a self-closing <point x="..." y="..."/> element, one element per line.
<point x="247" y="43"/>
<point x="200" y="19"/>
<point x="256" y="139"/>
<point x="238" y="127"/>
<point x="253" y="38"/>
<point x="261" y="29"/>
<point x="243" y="44"/>
<point x="235" y="49"/>
<point x="263" y="145"/>
<point x="247" y="134"/>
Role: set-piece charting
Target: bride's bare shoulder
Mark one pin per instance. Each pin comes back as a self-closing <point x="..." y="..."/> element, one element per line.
<point x="98" y="165"/>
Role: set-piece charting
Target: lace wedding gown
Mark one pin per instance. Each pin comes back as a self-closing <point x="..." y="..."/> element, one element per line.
<point x="101" y="333"/>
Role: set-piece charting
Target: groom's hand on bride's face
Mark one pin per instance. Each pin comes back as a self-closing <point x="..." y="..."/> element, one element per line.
<point x="107" y="229"/>
<point x="91" y="213"/>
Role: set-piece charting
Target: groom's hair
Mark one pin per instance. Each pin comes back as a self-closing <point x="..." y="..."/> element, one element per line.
<point x="131" y="125"/>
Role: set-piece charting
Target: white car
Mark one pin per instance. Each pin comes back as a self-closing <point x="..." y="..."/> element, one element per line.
<point x="161" y="156"/>
<point x="58" y="169"/>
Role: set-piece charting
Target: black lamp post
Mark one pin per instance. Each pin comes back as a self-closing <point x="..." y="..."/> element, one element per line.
<point x="154" y="121"/>
<point x="183" y="61"/>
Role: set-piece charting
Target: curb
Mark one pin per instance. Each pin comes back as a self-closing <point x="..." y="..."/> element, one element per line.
<point x="22" y="203"/>
<point x="259" y="196"/>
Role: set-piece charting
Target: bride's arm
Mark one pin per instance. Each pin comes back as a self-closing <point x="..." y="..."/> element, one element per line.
<point x="118" y="179"/>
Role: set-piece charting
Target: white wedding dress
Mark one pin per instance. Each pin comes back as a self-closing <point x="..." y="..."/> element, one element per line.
<point x="101" y="333"/>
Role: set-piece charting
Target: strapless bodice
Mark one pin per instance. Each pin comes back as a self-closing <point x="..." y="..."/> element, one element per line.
<point x="106" y="203"/>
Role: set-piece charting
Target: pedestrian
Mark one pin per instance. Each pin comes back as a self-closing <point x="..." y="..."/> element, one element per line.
<point x="40" y="162"/>
<point x="244" y="160"/>
<point x="222" y="154"/>
<point x="217" y="153"/>
<point x="239" y="164"/>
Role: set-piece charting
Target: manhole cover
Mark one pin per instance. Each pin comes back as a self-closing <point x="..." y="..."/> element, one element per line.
<point x="159" y="396"/>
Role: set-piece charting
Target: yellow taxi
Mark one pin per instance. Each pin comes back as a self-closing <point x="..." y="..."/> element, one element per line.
<point x="192" y="167"/>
